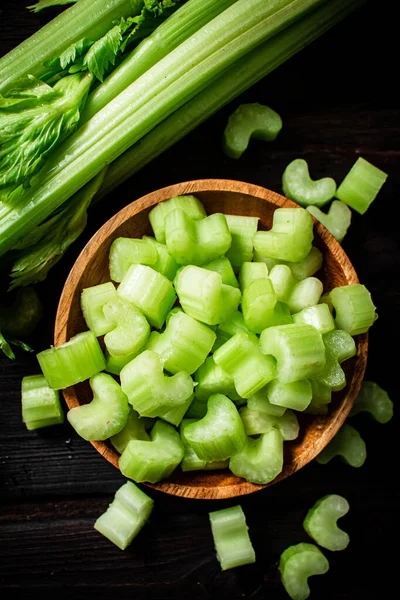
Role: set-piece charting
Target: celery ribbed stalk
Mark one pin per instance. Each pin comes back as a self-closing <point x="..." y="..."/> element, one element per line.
<point x="231" y="537"/>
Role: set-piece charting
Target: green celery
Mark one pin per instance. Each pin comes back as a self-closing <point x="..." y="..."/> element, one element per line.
<point x="299" y="187"/>
<point x="319" y="316"/>
<point x="175" y="415"/>
<point x="339" y="346"/>
<point x="190" y="461"/>
<point x="337" y="220"/>
<point x="261" y="403"/>
<point x="256" y="423"/>
<point x="93" y="300"/>
<point x="189" y="204"/>
<point x="321" y="522"/>
<point x="374" y="400"/>
<point x="354" y="309"/>
<point x="125" y="252"/>
<point x="134" y="429"/>
<point x="212" y="379"/>
<point x="130" y="328"/>
<point x="297" y="564"/>
<point x="114" y="364"/>
<point x="165" y="264"/>
<point x="361" y="185"/>
<point x="348" y="445"/>
<point x="41" y="406"/>
<point x="42" y="4"/>
<point x="261" y="459"/>
<point x="242" y="231"/>
<point x="259" y="298"/>
<point x="223" y="266"/>
<point x="231" y="538"/>
<point x="296" y="294"/>
<point x="295" y="394"/>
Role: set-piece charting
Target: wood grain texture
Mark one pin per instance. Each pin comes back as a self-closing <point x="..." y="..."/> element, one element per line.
<point x="338" y="99"/>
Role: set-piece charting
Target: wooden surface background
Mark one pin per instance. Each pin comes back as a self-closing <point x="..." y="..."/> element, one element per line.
<point x="338" y="100"/>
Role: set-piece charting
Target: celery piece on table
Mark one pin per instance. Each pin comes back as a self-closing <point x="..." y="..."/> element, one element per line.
<point x="298" y="349"/>
<point x="93" y="300"/>
<point x="373" y="400"/>
<point x="190" y="461"/>
<point x="105" y="415"/>
<point x="218" y="435"/>
<point x="298" y="185"/>
<point x="242" y="358"/>
<point x="354" y="310"/>
<point x="242" y="231"/>
<point x="231" y="537"/>
<point x="125" y="516"/>
<point x="337" y="220"/>
<point x="149" y="291"/>
<point x="212" y="379"/>
<point x="223" y="266"/>
<point x="250" y="121"/>
<point x="339" y="346"/>
<point x="153" y="460"/>
<point x="348" y="445"/>
<point x="290" y="237"/>
<point x="184" y="344"/>
<point x="125" y="252"/>
<point x="157" y="216"/>
<point x="130" y="328"/>
<point x="297" y="564"/>
<point x="76" y="360"/>
<point x="361" y="185"/>
<point x="41" y="406"/>
<point x="134" y="429"/>
<point x="321" y="522"/>
<point x="149" y="391"/>
<point x="261" y="459"/>
<point x="319" y="316"/>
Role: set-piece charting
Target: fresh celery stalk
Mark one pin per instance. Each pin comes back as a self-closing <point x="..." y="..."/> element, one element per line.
<point x="242" y="231"/>
<point x="260" y="402"/>
<point x="296" y="394"/>
<point x="224" y="268"/>
<point x="319" y="316"/>
<point x="41" y="406"/>
<point x="256" y="423"/>
<point x="297" y="564"/>
<point x="321" y="522"/>
<point x="175" y="415"/>
<point x="258" y="303"/>
<point x="165" y="264"/>
<point x="339" y="346"/>
<point x="212" y="379"/>
<point x="231" y="538"/>
<point x="114" y="364"/>
<point x="374" y="400"/>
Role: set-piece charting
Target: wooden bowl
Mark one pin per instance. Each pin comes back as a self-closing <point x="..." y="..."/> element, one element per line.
<point x="230" y="197"/>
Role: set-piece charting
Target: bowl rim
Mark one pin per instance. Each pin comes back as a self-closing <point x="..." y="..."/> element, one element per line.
<point x="238" y="487"/>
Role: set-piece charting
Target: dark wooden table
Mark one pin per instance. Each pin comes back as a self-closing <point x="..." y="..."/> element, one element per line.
<point x="338" y="100"/>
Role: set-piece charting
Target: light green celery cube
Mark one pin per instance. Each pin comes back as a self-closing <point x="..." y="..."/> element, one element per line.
<point x="189" y="204"/>
<point x="212" y="379"/>
<point x="41" y="406"/>
<point x="93" y="300"/>
<point x="242" y="231"/>
<point x="130" y="328"/>
<point x="164" y="264"/>
<point x="224" y="268"/>
<point x="261" y="459"/>
<point x="319" y="316"/>
<point x="125" y="252"/>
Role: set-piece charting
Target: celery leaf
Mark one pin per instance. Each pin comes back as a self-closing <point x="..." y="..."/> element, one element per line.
<point x="47" y="3"/>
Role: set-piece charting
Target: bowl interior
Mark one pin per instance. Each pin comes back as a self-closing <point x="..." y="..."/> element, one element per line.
<point x="230" y="197"/>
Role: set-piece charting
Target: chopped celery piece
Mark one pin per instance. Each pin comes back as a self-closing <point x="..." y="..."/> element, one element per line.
<point x="261" y="459"/>
<point x="319" y="316"/>
<point x="279" y="316"/>
<point x="290" y="237"/>
<point x="242" y="231"/>
<point x="348" y="445"/>
<point x="250" y="272"/>
<point x="231" y="537"/>
<point x="212" y="379"/>
<point x="339" y="346"/>
<point x="125" y="516"/>
<point x="259" y="298"/>
<point x="298" y="349"/>
<point x="149" y="291"/>
<point x="105" y="415"/>
<point x="321" y="522"/>
<point x="219" y="434"/>
<point x="250" y="121"/>
<point x="361" y="185"/>
<point x="337" y="220"/>
<point x="125" y="252"/>
<point x="241" y="357"/>
<point x="354" y="309"/>
<point x="260" y="402"/>
<point x="288" y="425"/>
<point x="72" y="362"/>
<point x="165" y="264"/>
<point x="224" y="268"/>
<point x="189" y="204"/>
<point x="374" y="400"/>
<point x="190" y="461"/>
<point x="197" y="409"/>
<point x="41" y="406"/>
<point x="150" y="392"/>
<point x="295" y="394"/>
<point x="296" y="294"/>
<point x="298" y="185"/>
<point x="325" y="299"/>
<point x="321" y="397"/>
<point x="315" y="408"/>
<point x="115" y="364"/>
<point x="175" y="415"/>
<point x="134" y="429"/>
<point x="297" y="564"/>
<point x="307" y="267"/>
<point x="184" y="345"/>
<point x="199" y="242"/>
<point x="256" y="423"/>
<point x="93" y="300"/>
<point x="283" y="281"/>
<point x="154" y="460"/>
<point x="235" y="324"/>
<point x="203" y="296"/>
<point x="130" y="328"/>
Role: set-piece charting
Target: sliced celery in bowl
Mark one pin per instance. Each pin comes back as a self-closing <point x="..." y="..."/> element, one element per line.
<point x="233" y="198"/>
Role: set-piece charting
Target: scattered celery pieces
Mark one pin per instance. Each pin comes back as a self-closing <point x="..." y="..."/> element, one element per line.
<point x="231" y="538"/>
<point x="298" y="185"/>
<point x="125" y="516"/>
<point x="41" y="404"/>
<point x="361" y="185"/>
<point x="348" y="445"/>
<point x="373" y="400"/>
<point x="250" y="121"/>
<point x="337" y="220"/>
<point x="297" y="564"/>
<point x="321" y="522"/>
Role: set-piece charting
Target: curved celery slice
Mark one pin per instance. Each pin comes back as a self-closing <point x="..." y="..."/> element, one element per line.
<point x="250" y="121"/>
<point x="339" y="346"/>
<point x="261" y="459"/>
<point x="130" y="328"/>
<point x="175" y="415"/>
<point x="374" y="400"/>
<point x="158" y="215"/>
<point x="290" y="237"/>
<point x="184" y="345"/>
<point x="260" y="403"/>
<point x="321" y="522"/>
<point x="41" y="406"/>
<point x="297" y="564"/>
<point x="150" y="392"/>
<point x="295" y="394"/>
<point x="256" y="422"/>
<point x="134" y="429"/>
<point x="298" y="185"/>
<point x="154" y="460"/>
<point x="337" y="220"/>
<point x="219" y="434"/>
<point x="224" y="268"/>
<point x="76" y="360"/>
<point x="319" y="316"/>
<point x="196" y="242"/>
<point x="354" y="309"/>
<point x="105" y="415"/>
<point x="347" y="444"/>
<point x="125" y="252"/>
<point x="251" y="370"/>
<point x="296" y="294"/>
<point x="190" y="461"/>
<point x="125" y="516"/>
<point x="361" y="185"/>
<point x="212" y="379"/>
<point x="149" y="291"/>
<point x="115" y="364"/>
<point x="259" y="298"/>
<point x="93" y="300"/>
<point x="231" y="538"/>
<point x="164" y="264"/>
<point x="298" y="349"/>
<point x="242" y="231"/>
